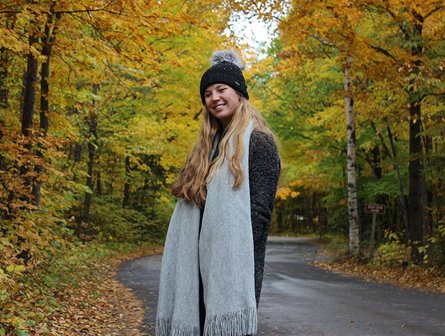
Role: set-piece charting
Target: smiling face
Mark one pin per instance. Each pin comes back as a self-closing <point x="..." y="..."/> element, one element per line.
<point x="221" y="101"/>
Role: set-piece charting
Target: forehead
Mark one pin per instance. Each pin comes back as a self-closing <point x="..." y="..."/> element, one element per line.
<point x="215" y="86"/>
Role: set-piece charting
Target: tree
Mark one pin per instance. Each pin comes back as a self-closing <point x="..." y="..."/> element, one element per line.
<point x="395" y="70"/>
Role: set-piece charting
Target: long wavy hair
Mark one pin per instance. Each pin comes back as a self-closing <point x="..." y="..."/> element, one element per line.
<point x="193" y="177"/>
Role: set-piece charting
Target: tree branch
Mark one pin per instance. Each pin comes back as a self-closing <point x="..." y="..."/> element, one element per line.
<point x="87" y="10"/>
<point x="383" y="51"/>
<point x="433" y="11"/>
<point x="322" y="41"/>
<point x="438" y="94"/>
<point x="418" y="16"/>
<point x="404" y="31"/>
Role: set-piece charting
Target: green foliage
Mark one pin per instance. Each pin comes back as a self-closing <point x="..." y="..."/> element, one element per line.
<point x="111" y="222"/>
<point x="335" y="244"/>
<point x="372" y="189"/>
<point x="392" y="253"/>
<point x="397" y="61"/>
<point x="435" y="247"/>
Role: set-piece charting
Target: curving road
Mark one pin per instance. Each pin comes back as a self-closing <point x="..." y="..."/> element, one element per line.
<point x="300" y="299"/>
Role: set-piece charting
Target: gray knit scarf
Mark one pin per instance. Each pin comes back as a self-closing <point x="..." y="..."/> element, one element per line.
<point x="223" y="252"/>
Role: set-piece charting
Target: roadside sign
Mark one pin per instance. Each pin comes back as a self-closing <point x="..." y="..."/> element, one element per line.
<point x="375" y="208"/>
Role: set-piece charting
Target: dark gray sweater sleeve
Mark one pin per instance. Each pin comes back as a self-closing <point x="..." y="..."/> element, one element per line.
<point x="264" y="170"/>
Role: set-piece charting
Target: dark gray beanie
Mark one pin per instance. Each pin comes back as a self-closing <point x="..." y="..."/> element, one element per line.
<point x="226" y="69"/>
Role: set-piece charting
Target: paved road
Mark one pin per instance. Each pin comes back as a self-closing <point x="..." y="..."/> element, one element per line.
<point x="299" y="299"/>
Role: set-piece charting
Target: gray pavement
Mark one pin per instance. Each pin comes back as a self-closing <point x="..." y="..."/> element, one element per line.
<point x="300" y="299"/>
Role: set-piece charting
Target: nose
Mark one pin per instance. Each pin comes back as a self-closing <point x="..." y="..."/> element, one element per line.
<point x="214" y="96"/>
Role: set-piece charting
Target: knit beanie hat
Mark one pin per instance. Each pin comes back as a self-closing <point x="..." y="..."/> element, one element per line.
<point x="226" y="69"/>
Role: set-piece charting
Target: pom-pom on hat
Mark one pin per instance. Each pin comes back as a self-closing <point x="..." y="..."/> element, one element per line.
<point x="226" y="69"/>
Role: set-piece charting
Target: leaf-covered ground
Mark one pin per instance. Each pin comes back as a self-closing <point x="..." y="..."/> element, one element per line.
<point x="432" y="278"/>
<point x="100" y="305"/>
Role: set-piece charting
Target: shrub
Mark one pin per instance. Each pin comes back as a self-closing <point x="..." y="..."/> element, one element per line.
<point x="392" y="253"/>
<point x="435" y="249"/>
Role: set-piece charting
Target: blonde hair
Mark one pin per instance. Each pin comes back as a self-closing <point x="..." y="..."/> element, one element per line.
<point x="193" y="177"/>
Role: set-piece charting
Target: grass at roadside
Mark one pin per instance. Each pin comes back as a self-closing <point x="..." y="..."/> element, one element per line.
<point x="76" y="293"/>
<point x="397" y="273"/>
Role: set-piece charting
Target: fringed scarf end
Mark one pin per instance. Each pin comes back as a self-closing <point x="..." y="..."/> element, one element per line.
<point x="239" y="323"/>
<point x="165" y="327"/>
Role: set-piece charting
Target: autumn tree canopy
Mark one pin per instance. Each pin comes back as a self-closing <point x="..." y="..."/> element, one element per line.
<point x="99" y="105"/>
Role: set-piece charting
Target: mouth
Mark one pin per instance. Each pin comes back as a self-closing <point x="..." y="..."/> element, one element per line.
<point x="218" y="106"/>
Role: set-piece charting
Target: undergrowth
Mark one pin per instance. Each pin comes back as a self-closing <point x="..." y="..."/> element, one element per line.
<point x="25" y="311"/>
<point x="391" y="262"/>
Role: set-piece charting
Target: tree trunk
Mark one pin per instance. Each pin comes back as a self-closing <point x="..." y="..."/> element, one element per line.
<point x="77" y="152"/>
<point x="376" y="163"/>
<point x="417" y="191"/>
<point x="429" y="190"/>
<point x="5" y="57"/>
<point x="6" y="213"/>
<point x="403" y="205"/>
<point x="48" y="41"/>
<point x="4" y="92"/>
<point x="126" y="199"/>
<point x="92" y="141"/>
<point x="29" y="90"/>
<point x="99" y="183"/>
<point x="353" y="214"/>
<point x="417" y="194"/>
<point x="29" y="93"/>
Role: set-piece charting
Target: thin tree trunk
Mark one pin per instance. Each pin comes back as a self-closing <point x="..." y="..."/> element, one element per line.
<point x="4" y="62"/>
<point x="126" y="199"/>
<point x="429" y="190"/>
<point x="99" y="183"/>
<point x="353" y="214"/>
<point x="417" y="191"/>
<point x="92" y="140"/>
<point x="48" y="41"/>
<point x="29" y="94"/>
<point x="6" y="213"/>
<point x="417" y="196"/>
<point x="77" y="155"/>
<point x="376" y="163"/>
<point x="29" y="90"/>
<point x="5" y="58"/>
<point x="402" y="201"/>
<point x="382" y="140"/>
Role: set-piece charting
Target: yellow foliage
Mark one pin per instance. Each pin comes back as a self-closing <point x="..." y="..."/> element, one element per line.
<point x="285" y="192"/>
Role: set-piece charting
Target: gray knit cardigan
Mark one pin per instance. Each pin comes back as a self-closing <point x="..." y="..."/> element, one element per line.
<point x="264" y="171"/>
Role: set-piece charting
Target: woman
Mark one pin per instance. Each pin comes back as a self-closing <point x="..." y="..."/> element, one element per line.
<point x="213" y="262"/>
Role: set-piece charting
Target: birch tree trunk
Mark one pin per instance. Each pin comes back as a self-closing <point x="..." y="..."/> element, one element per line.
<point x="353" y="216"/>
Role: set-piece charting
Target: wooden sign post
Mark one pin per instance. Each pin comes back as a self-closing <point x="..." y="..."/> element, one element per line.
<point x="374" y="209"/>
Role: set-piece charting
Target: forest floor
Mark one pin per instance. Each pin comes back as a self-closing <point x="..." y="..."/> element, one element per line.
<point x="424" y="278"/>
<point x="100" y="304"/>
<point x="419" y="277"/>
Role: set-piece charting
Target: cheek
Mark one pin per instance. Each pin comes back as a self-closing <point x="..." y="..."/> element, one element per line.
<point x="236" y="100"/>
